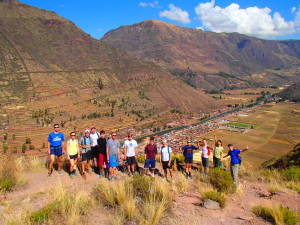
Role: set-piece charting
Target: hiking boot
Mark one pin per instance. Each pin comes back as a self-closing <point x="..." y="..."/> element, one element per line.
<point x="100" y="175"/>
<point x="110" y="178"/>
<point x="190" y="176"/>
<point x="59" y="172"/>
<point x="84" y="176"/>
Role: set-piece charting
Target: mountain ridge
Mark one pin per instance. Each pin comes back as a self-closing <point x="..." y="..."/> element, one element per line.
<point x="205" y="53"/>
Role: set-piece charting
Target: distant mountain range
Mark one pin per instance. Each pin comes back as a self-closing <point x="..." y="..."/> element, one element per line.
<point x="210" y="60"/>
<point x="43" y="54"/>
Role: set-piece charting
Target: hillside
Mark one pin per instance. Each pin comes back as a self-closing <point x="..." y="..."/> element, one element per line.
<point x="36" y="45"/>
<point x="292" y="93"/>
<point x="207" y="59"/>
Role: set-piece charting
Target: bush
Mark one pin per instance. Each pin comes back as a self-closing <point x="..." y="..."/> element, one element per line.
<point x="28" y="141"/>
<point x="294" y="187"/>
<point x="140" y="159"/>
<point x="42" y="215"/>
<point x="178" y="157"/>
<point x="31" y="147"/>
<point x="216" y="196"/>
<point x="5" y="147"/>
<point x="292" y="173"/>
<point x="9" y="173"/>
<point x="142" y="185"/>
<point x="221" y="180"/>
<point x="24" y="148"/>
<point x="276" y="214"/>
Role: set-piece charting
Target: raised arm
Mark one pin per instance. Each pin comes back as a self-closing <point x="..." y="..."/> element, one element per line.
<point x="245" y="149"/>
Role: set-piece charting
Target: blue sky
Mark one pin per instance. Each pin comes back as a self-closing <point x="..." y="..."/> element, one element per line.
<point x="280" y="21"/>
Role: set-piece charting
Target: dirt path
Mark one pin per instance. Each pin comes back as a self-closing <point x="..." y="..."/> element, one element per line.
<point x="187" y="208"/>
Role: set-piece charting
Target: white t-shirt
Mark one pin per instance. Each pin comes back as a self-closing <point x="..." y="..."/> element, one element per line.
<point x="205" y="152"/>
<point x="165" y="153"/>
<point x="94" y="138"/>
<point x="130" y="147"/>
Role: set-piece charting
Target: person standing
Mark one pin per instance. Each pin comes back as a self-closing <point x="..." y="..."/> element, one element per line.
<point x="235" y="161"/>
<point x="218" y="152"/>
<point x="150" y="157"/>
<point x="188" y="151"/>
<point x="55" y="149"/>
<point x="73" y="153"/>
<point x="130" y="146"/>
<point x="102" y="157"/>
<point x="113" y="153"/>
<point x="94" y="147"/>
<point x="165" y="158"/>
<point x="205" y="156"/>
<point x="86" y="155"/>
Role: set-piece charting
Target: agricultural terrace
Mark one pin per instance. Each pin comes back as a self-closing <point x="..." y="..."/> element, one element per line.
<point x="276" y="131"/>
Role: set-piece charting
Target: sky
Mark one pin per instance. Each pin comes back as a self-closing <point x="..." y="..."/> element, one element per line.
<point x="268" y="19"/>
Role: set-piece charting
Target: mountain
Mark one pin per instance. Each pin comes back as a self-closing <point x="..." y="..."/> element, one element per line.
<point x="207" y="59"/>
<point x="291" y="93"/>
<point x="44" y="55"/>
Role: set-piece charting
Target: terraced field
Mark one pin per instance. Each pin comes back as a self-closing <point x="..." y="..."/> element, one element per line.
<point x="276" y="131"/>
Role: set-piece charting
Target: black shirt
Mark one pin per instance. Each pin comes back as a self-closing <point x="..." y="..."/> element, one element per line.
<point x="101" y="145"/>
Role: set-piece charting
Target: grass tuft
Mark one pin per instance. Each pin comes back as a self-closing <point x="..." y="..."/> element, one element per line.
<point x="276" y="214"/>
<point x="221" y="180"/>
<point x="216" y="196"/>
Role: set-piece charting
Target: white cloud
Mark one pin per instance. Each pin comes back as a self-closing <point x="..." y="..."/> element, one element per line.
<point x="251" y="21"/>
<point x="154" y="4"/>
<point x="177" y="14"/>
<point x="293" y="10"/>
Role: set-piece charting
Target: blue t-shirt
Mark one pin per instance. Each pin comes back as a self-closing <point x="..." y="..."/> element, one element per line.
<point x="234" y="154"/>
<point x="56" y="139"/>
<point x="188" y="150"/>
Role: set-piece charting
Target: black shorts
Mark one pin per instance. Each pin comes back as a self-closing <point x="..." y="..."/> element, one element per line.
<point x="86" y="156"/>
<point x="188" y="160"/>
<point x="74" y="156"/>
<point x="165" y="165"/>
<point x="94" y="152"/>
<point x="205" y="162"/>
<point x="130" y="160"/>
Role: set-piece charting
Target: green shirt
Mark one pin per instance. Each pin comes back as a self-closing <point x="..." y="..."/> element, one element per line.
<point x="218" y="151"/>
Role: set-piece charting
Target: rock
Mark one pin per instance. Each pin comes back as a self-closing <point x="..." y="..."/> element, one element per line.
<point x="245" y="218"/>
<point x="210" y="204"/>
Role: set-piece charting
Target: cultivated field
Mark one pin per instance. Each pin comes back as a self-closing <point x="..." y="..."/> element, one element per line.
<point x="276" y="131"/>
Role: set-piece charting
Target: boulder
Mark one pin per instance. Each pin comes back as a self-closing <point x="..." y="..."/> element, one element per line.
<point x="210" y="204"/>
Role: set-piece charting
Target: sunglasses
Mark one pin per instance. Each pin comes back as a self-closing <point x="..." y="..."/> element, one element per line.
<point x="114" y="135"/>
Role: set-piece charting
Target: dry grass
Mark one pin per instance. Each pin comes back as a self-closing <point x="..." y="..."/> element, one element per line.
<point x="141" y="199"/>
<point x="179" y="183"/>
<point x="277" y="215"/>
<point x="11" y="175"/>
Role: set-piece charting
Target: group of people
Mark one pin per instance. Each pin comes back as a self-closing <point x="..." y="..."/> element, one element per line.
<point x="105" y="154"/>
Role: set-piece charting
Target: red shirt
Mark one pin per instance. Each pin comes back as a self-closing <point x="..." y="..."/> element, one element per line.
<point x="150" y="151"/>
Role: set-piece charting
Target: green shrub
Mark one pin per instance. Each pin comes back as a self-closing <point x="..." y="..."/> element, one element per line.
<point x="276" y="215"/>
<point x="31" y="147"/>
<point x="216" y="196"/>
<point x="28" y="140"/>
<point x="24" y="148"/>
<point x="5" y="147"/>
<point x="221" y="180"/>
<point x="178" y="157"/>
<point x="294" y="187"/>
<point x="140" y="159"/>
<point x="292" y="173"/>
<point x="142" y="185"/>
<point x="7" y="184"/>
<point x="41" y="216"/>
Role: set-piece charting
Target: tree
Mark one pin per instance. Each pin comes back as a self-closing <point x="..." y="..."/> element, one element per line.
<point x="100" y="84"/>
<point x="5" y="147"/>
<point x="24" y="148"/>
<point x="27" y="140"/>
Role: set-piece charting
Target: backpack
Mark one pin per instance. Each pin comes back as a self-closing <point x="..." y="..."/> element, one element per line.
<point x="162" y="152"/>
<point x="84" y="140"/>
<point x="208" y="150"/>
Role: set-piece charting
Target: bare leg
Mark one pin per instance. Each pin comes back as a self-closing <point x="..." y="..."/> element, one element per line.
<point x="50" y="167"/>
<point x="59" y="160"/>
